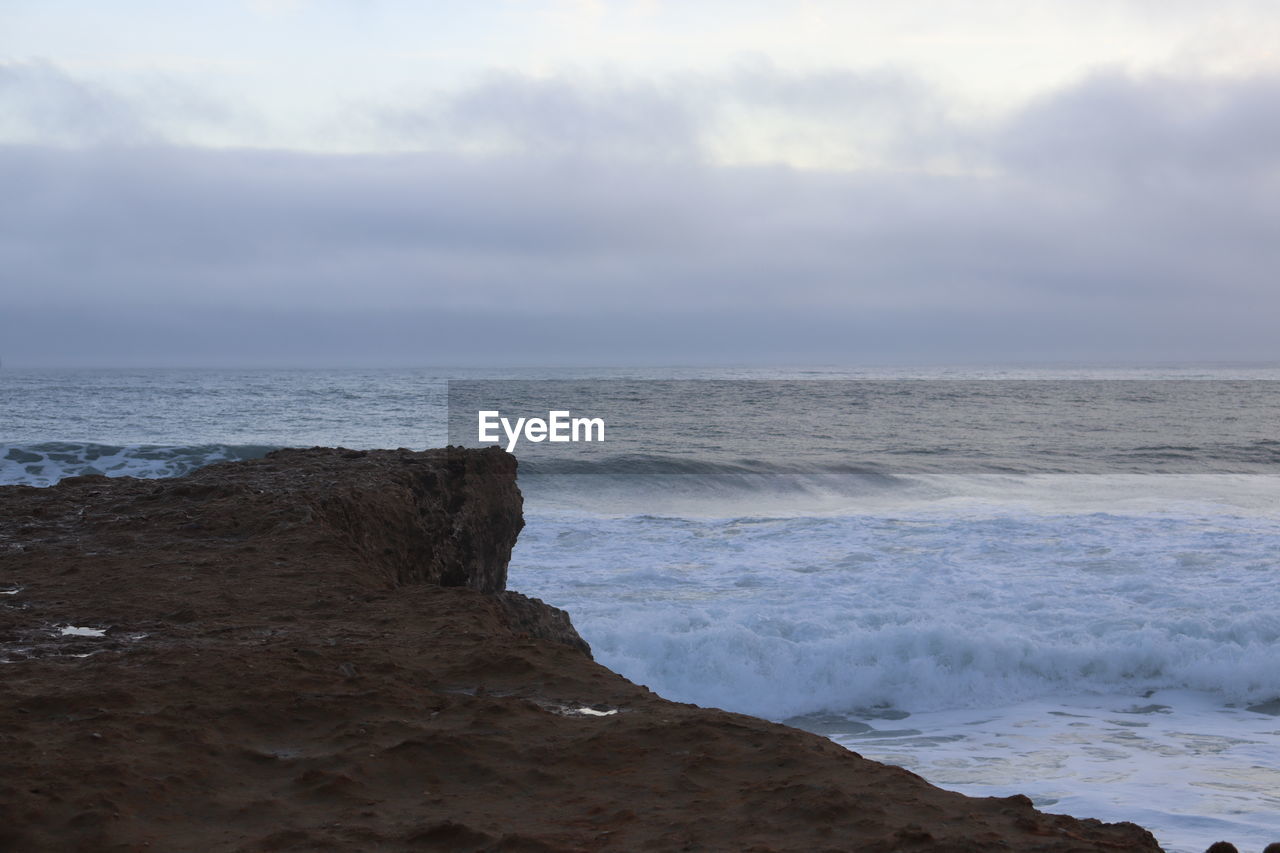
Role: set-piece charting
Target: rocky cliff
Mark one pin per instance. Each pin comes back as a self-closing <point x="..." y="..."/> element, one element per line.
<point x="315" y="651"/>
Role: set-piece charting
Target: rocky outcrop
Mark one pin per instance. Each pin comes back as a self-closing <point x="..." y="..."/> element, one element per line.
<point x="533" y="618"/>
<point x="448" y="517"/>
<point x="314" y="651"/>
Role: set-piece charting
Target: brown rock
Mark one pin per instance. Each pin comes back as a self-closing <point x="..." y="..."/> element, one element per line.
<point x="313" y="651"/>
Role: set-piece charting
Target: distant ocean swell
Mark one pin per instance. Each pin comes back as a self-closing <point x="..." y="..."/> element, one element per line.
<point x="47" y="461"/>
<point x="1259" y="456"/>
<point x="44" y="463"/>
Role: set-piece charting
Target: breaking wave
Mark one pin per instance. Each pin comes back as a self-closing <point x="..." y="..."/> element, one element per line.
<point x="45" y="463"/>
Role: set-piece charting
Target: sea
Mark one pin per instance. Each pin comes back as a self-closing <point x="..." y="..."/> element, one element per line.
<point x="1055" y="581"/>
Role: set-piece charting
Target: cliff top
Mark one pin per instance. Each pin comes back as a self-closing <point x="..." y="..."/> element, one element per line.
<point x="315" y="651"/>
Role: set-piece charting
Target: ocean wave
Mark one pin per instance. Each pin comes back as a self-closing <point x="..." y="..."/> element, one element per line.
<point x="655" y="464"/>
<point x="925" y="664"/>
<point x="631" y="482"/>
<point x="676" y="487"/>
<point x="45" y="463"/>
<point x="786" y="616"/>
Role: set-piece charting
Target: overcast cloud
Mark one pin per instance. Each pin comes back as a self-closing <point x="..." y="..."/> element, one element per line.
<point x="615" y="218"/>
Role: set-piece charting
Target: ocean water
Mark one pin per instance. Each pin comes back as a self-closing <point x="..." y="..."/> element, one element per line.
<point x="1051" y="582"/>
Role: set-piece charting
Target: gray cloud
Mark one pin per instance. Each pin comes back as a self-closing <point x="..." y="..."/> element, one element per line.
<point x="889" y="113"/>
<point x="617" y="117"/>
<point x="40" y="101"/>
<point x="1122" y="219"/>
<point x="1158" y="130"/>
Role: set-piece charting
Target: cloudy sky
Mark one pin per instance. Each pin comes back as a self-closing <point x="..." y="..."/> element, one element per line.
<point x="637" y="181"/>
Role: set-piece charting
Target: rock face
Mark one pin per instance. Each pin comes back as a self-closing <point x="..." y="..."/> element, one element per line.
<point x="314" y="651"/>
<point x="298" y="523"/>
<point x="446" y="517"/>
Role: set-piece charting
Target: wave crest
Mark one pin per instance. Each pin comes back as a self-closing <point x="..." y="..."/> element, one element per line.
<point x="45" y="463"/>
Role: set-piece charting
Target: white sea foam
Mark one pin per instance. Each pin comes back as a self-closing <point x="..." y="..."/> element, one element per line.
<point x="45" y="463"/>
<point x="778" y="617"/>
<point x="975" y="629"/>
<point x="1177" y="763"/>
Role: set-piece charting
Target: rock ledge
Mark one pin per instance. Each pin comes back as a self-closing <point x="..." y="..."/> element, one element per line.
<point x="315" y="651"/>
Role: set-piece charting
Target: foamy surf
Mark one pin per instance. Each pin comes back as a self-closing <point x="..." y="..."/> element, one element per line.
<point x="786" y="616"/>
<point x="1103" y="662"/>
<point x="1180" y="763"/>
<point x="45" y="463"/>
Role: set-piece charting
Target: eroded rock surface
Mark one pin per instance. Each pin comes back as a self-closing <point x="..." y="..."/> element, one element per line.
<point x="314" y="651"/>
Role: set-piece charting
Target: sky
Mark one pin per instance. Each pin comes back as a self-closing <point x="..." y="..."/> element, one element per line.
<point x="613" y="182"/>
